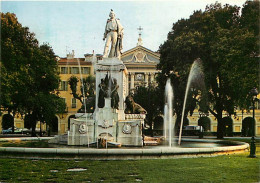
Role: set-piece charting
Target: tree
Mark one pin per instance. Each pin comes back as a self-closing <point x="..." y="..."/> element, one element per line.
<point x="29" y="73"/>
<point x="87" y="90"/>
<point x="148" y="97"/>
<point x="227" y="44"/>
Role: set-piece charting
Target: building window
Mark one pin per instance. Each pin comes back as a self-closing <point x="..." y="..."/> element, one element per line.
<point x="85" y="70"/>
<point x="237" y="129"/>
<point x="64" y="86"/>
<point x="73" y="103"/>
<point x="74" y="70"/>
<point x="64" y="70"/>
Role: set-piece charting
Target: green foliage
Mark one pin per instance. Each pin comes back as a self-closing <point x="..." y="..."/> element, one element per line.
<point x="227" y="44"/>
<point x="151" y="100"/>
<point x="29" y="73"/>
<point x="205" y="123"/>
<point x="73" y="82"/>
<point x="87" y="89"/>
<point x="89" y="85"/>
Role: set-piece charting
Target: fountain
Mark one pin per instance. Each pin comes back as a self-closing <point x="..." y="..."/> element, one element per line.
<point x="84" y="97"/>
<point x="118" y="121"/>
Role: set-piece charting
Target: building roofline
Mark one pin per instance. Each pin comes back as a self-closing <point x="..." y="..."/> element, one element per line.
<point x="141" y="47"/>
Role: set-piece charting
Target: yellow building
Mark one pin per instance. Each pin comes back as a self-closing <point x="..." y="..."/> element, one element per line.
<point x="71" y="66"/>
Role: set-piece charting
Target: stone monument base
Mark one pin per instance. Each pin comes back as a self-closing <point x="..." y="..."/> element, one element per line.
<point x="84" y="131"/>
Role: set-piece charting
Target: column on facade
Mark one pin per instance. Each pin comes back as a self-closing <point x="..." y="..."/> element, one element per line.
<point x="132" y="82"/>
<point x="127" y="84"/>
<point x="146" y="75"/>
<point x="152" y="77"/>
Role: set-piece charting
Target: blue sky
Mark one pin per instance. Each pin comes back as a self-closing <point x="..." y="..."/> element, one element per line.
<point x="79" y="25"/>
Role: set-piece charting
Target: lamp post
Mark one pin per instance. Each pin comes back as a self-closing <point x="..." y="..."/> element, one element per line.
<point x="254" y="93"/>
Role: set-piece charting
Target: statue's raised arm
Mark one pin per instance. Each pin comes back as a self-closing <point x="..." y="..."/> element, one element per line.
<point x="113" y="36"/>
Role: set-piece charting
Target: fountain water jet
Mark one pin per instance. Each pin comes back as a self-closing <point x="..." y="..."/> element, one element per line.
<point x="168" y="114"/>
<point x="195" y="72"/>
<point x="84" y="97"/>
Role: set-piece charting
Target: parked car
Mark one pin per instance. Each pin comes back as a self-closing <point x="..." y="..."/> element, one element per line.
<point x="22" y="131"/>
<point x="7" y="131"/>
<point x="192" y="130"/>
<point x="16" y="131"/>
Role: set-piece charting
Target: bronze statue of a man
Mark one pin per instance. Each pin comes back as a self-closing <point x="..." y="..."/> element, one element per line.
<point x="114" y="36"/>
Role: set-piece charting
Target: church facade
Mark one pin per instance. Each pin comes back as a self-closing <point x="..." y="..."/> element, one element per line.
<point x="141" y="65"/>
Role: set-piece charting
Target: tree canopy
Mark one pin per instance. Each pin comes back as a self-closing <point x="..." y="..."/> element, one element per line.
<point x="87" y="90"/>
<point x="29" y="74"/>
<point x="227" y="43"/>
<point x="150" y="99"/>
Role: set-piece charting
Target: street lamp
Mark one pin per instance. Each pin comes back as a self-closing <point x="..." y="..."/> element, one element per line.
<point x="254" y="94"/>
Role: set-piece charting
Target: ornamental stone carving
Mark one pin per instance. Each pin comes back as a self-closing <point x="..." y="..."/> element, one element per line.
<point x="82" y="128"/>
<point x="127" y="129"/>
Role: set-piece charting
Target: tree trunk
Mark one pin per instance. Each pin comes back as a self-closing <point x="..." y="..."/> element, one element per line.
<point x="12" y="121"/>
<point x="33" y="124"/>
<point x="33" y="128"/>
<point x="220" y="129"/>
<point x="40" y="129"/>
<point x="49" y="130"/>
<point x="177" y="125"/>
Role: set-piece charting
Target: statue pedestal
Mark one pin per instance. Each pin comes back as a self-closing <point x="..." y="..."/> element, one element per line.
<point x="116" y="70"/>
<point x="105" y="120"/>
<point x="130" y="133"/>
<point x="81" y="130"/>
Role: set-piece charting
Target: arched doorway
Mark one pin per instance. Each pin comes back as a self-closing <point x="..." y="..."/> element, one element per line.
<point x="247" y="127"/>
<point x="53" y="127"/>
<point x="228" y="126"/>
<point x="7" y="121"/>
<point x="71" y="116"/>
<point x="27" y="121"/>
<point x="205" y="123"/>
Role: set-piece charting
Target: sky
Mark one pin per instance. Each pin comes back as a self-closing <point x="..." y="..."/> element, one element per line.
<point x="80" y="25"/>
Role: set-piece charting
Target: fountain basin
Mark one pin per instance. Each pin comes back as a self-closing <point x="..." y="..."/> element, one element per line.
<point x="126" y="153"/>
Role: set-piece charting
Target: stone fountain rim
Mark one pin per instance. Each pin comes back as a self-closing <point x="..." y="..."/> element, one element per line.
<point x="120" y="154"/>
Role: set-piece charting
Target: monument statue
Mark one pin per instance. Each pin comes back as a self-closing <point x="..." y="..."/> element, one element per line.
<point x="108" y="89"/>
<point x="132" y="107"/>
<point x="102" y="94"/>
<point x="114" y="36"/>
<point x="114" y="95"/>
